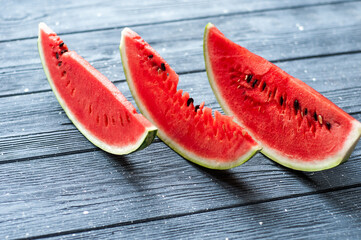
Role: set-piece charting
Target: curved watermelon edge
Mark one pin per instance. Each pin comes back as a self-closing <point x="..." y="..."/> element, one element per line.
<point x="331" y="162"/>
<point x="206" y="162"/>
<point x="319" y="165"/>
<point x="181" y="151"/>
<point x="144" y="141"/>
<point x="211" y="77"/>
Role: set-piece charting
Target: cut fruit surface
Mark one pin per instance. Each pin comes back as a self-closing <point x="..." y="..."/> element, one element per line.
<point x="214" y="142"/>
<point x="95" y="106"/>
<point x="295" y="125"/>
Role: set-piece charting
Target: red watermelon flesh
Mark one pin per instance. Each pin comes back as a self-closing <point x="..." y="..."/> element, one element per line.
<point x="95" y="106"/>
<point x="214" y="142"/>
<point x="295" y="125"/>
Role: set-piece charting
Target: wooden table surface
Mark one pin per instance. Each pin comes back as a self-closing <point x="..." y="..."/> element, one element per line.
<point x="54" y="184"/>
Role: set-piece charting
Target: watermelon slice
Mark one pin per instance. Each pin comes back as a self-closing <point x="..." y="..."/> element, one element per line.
<point x="295" y="125"/>
<point x="95" y="106"/>
<point x="213" y="142"/>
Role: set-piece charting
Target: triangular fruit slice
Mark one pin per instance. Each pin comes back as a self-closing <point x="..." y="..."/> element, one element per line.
<point x="95" y="106"/>
<point x="295" y="125"/>
<point x="213" y="142"/>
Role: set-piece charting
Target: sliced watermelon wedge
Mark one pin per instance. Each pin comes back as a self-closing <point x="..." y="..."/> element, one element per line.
<point x="95" y="106"/>
<point x="213" y="142"/>
<point x="295" y="125"/>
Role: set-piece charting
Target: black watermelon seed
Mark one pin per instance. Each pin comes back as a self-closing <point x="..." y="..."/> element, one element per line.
<point x="249" y="78"/>
<point x="57" y="55"/>
<point x="328" y="125"/>
<point x="264" y="86"/>
<point x="59" y="63"/>
<point x="63" y="51"/>
<point x="196" y="108"/>
<point x="61" y="44"/>
<point x="150" y="56"/>
<point x="254" y="83"/>
<point x="296" y="105"/>
<point x="281" y="100"/>
<point x="305" y="111"/>
<point x="189" y="101"/>
<point x="162" y="66"/>
<point x="315" y="116"/>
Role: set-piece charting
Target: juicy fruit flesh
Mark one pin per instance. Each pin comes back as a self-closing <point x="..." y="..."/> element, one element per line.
<point x="90" y="97"/>
<point x="280" y="111"/>
<point x="180" y="122"/>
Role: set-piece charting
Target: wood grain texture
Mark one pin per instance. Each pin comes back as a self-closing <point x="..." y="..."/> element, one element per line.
<point x="20" y="18"/>
<point x="180" y="43"/>
<point x="282" y="219"/>
<point x="83" y="191"/>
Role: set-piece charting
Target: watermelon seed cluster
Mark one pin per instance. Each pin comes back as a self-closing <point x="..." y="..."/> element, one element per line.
<point x="282" y="100"/>
<point x="62" y="51"/>
<point x="317" y="118"/>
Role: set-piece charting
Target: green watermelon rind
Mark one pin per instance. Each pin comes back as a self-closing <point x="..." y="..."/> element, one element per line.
<point x="316" y="165"/>
<point x="205" y="162"/>
<point x="208" y="163"/>
<point x="146" y="139"/>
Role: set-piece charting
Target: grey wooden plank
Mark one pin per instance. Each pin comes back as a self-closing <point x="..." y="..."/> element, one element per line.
<point x="180" y="43"/>
<point x="84" y="191"/>
<point x="20" y="18"/>
<point x="330" y="215"/>
<point x="34" y="120"/>
<point x="323" y="74"/>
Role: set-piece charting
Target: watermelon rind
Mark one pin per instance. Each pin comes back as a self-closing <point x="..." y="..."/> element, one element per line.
<point x="311" y="166"/>
<point x="144" y="140"/>
<point x="204" y="162"/>
<point x="327" y="163"/>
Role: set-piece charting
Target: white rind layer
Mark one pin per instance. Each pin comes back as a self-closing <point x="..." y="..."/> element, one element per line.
<point x="143" y="141"/>
<point x="317" y="164"/>
<point x="205" y="162"/>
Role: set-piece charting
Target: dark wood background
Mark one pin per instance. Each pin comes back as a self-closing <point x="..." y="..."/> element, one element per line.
<point x="55" y="184"/>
